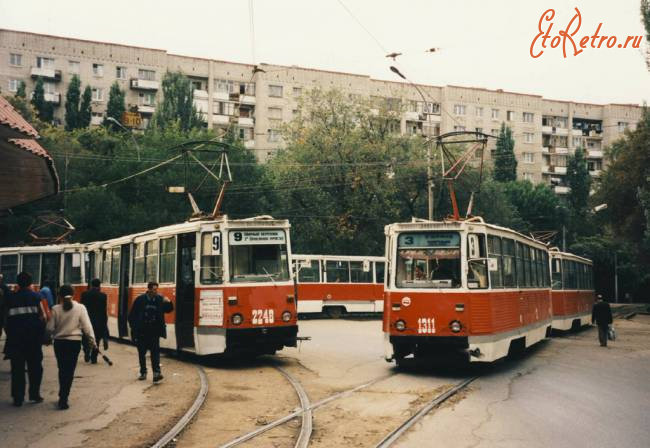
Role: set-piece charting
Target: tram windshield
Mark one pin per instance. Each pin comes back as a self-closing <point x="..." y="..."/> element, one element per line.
<point x="258" y="256"/>
<point x="428" y="260"/>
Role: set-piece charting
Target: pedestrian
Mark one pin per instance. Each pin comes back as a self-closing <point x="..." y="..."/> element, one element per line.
<point x="69" y="322"/>
<point x="46" y="291"/>
<point x="147" y="323"/>
<point x="601" y="315"/>
<point x="4" y="294"/>
<point x="95" y="302"/>
<point x="25" y="326"/>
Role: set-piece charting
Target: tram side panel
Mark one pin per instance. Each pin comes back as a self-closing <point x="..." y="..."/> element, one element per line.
<point x="354" y="297"/>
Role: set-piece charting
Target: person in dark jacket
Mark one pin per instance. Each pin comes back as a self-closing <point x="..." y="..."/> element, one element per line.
<point x="601" y="315"/>
<point x="25" y="331"/>
<point x="147" y="322"/>
<point x="4" y="294"/>
<point x="95" y="302"/>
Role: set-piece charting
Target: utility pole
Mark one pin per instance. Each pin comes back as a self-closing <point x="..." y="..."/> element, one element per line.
<point x="563" y="238"/>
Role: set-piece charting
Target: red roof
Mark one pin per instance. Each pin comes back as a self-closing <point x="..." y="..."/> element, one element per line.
<point x="9" y="117"/>
<point x="31" y="146"/>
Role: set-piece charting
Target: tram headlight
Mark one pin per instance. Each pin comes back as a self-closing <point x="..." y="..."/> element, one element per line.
<point x="237" y="319"/>
<point x="400" y="325"/>
<point x="286" y="316"/>
<point x="455" y="326"/>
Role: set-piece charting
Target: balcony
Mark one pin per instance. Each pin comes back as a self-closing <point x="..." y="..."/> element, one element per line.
<point x="96" y="120"/>
<point x="547" y="129"/>
<point x="200" y="94"/>
<point x="559" y="169"/>
<point x="560" y="189"/>
<point x="547" y="169"/>
<point x="144" y="84"/>
<point x="221" y="95"/>
<point x="576" y="132"/>
<point x="595" y="173"/>
<point x="54" y="98"/>
<point x="220" y="119"/>
<point x="249" y="144"/>
<point x="46" y="73"/>
<point x="594" y="154"/>
<point x="245" y="121"/>
<point x="411" y="116"/>
<point x="560" y="150"/>
<point x="595" y="134"/>
<point x="246" y="99"/>
<point x="561" y="131"/>
<point x="545" y="150"/>
<point x="146" y="109"/>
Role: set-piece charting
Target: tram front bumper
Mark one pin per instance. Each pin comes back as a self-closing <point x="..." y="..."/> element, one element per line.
<point x="263" y="339"/>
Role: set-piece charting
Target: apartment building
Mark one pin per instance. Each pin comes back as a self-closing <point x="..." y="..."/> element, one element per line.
<point x="256" y="101"/>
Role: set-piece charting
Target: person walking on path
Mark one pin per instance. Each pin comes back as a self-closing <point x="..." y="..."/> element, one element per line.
<point x="601" y="315"/>
<point x="25" y="326"/>
<point x="147" y="323"/>
<point x="46" y="291"/>
<point x="95" y="302"/>
<point x="68" y="322"/>
<point x="4" y="295"/>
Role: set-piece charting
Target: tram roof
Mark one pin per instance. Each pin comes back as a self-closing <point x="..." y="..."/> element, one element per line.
<point x="336" y="257"/>
<point x="557" y="253"/>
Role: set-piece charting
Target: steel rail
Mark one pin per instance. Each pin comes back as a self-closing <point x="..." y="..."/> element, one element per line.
<point x="306" y="426"/>
<point x="187" y="417"/>
<point x="408" y="423"/>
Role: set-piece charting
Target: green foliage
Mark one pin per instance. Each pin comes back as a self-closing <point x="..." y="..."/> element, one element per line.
<point x="21" y="92"/>
<point x="538" y="208"/>
<point x="72" y="97"/>
<point x="645" y="17"/>
<point x="505" y="163"/>
<point x="44" y="109"/>
<point x="85" y="110"/>
<point x="177" y="105"/>
<point x="115" y="107"/>
<point x="579" y="180"/>
<point x="25" y="109"/>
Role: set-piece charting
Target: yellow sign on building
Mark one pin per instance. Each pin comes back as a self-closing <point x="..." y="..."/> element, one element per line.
<point x="132" y="120"/>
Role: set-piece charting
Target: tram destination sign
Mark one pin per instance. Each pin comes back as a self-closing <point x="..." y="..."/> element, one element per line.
<point x="248" y="237"/>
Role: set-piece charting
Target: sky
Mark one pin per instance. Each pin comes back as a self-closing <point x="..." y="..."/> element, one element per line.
<point x="483" y="43"/>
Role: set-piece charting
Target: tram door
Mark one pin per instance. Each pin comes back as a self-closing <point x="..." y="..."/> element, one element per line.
<point x="186" y="255"/>
<point x="51" y="265"/>
<point x="123" y="309"/>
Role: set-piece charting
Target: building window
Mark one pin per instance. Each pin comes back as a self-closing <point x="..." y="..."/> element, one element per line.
<point x="431" y="108"/>
<point x="459" y="128"/>
<point x="246" y="134"/>
<point x="494" y="132"/>
<point x="297" y="91"/>
<point x="223" y="86"/>
<point x="147" y="99"/>
<point x="120" y="72"/>
<point x="528" y="177"/>
<point x="529" y="137"/>
<point x="275" y="91"/>
<point x="459" y="109"/>
<point x="224" y="108"/>
<point x="42" y="62"/>
<point x="247" y="88"/>
<point x="577" y="142"/>
<point x="148" y="75"/>
<point x="274" y="131"/>
<point x="510" y="115"/>
<point x="479" y="130"/>
<point x="528" y="157"/>
<point x="98" y="70"/>
<point x="15" y="59"/>
<point x="73" y="67"/>
<point x="14" y="84"/>
<point x="479" y="111"/>
<point x="98" y="94"/>
<point x="495" y="114"/>
<point x="275" y="112"/>
<point x="49" y="88"/>
<point x="528" y="117"/>
<point x="622" y="126"/>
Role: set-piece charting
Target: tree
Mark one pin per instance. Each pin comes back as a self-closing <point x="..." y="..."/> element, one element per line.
<point x="579" y="180"/>
<point x="72" y="98"/>
<point x="115" y="107"/>
<point x="537" y="206"/>
<point x="21" y="91"/>
<point x="44" y="108"/>
<point x="645" y="18"/>
<point x="505" y="163"/>
<point x="86" y="110"/>
<point x="177" y="105"/>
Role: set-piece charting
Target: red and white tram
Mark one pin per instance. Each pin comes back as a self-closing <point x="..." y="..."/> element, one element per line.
<point x="229" y="280"/>
<point x="572" y="291"/>
<point x="463" y="287"/>
<point x="339" y="284"/>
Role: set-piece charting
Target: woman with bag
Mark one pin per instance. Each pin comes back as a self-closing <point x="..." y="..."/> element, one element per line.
<point x="68" y="323"/>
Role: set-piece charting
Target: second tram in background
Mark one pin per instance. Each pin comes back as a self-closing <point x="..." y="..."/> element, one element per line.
<point x="572" y="291"/>
<point x="464" y="287"/>
<point x="339" y="284"/>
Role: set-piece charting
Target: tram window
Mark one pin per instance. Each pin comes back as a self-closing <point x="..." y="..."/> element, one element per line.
<point x="540" y="268"/>
<point x="509" y="266"/>
<point x="72" y="268"/>
<point x="521" y="272"/>
<point x="380" y="269"/>
<point x="557" y="273"/>
<point x="115" y="266"/>
<point x="167" y="260"/>
<point x="337" y="271"/>
<point x="477" y="271"/>
<point x="428" y="260"/>
<point x="106" y="266"/>
<point x="9" y="267"/>
<point x="138" y="263"/>
<point x="211" y="261"/>
<point x="309" y="274"/>
<point x="532" y="279"/>
<point x="50" y="270"/>
<point x="90" y="266"/>
<point x="547" y="282"/>
<point x="258" y="262"/>
<point x="357" y="275"/>
<point x="494" y="251"/>
<point x="151" y="260"/>
<point x="32" y="265"/>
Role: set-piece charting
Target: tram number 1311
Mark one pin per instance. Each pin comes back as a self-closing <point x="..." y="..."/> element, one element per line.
<point x="261" y="317"/>
<point x="426" y="325"/>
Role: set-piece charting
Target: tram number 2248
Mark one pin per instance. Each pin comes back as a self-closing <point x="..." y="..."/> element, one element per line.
<point x="261" y="317"/>
<point x="426" y="325"/>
